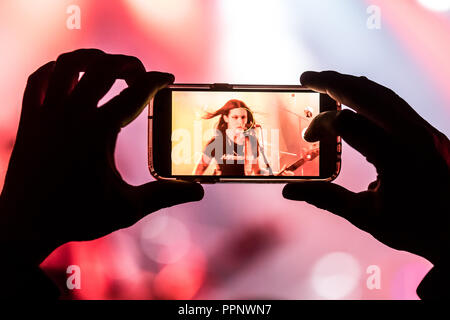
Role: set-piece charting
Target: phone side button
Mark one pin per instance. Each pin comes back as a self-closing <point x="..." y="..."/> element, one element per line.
<point x="150" y="109"/>
<point x="221" y="86"/>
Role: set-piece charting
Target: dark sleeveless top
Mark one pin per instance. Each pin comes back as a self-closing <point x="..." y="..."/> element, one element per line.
<point x="228" y="155"/>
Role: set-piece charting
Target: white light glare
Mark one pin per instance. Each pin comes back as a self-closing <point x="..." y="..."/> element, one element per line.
<point x="436" y="5"/>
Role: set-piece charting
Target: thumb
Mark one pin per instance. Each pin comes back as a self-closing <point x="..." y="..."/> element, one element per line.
<point x="354" y="207"/>
<point x="125" y="107"/>
<point x="359" y="132"/>
<point x="157" y="195"/>
<point x="324" y="195"/>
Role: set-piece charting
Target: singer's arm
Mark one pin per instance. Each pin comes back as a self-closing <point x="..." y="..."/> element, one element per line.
<point x="202" y="165"/>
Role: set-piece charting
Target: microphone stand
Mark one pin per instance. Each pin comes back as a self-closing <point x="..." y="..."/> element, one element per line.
<point x="261" y="149"/>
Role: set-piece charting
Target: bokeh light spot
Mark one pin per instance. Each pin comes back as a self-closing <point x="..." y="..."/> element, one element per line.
<point x="335" y="275"/>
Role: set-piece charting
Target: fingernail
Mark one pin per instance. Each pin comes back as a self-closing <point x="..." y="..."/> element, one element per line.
<point x="309" y="136"/>
<point x="306" y="77"/>
<point x="288" y="192"/>
<point x="198" y="192"/>
<point x="285" y="192"/>
<point x="296" y="191"/>
<point x="160" y="77"/>
<point x="170" y="77"/>
<point x="191" y="190"/>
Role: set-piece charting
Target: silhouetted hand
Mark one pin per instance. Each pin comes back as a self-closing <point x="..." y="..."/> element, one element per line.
<point x="62" y="184"/>
<point x="408" y="206"/>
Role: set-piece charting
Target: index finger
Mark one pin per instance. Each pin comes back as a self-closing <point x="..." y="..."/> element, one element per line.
<point x="100" y="76"/>
<point x="374" y="101"/>
<point x="66" y="73"/>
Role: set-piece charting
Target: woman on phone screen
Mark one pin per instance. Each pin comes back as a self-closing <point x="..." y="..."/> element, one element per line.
<point x="234" y="147"/>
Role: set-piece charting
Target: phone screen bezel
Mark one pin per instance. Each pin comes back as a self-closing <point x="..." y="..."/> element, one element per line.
<point x="160" y="131"/>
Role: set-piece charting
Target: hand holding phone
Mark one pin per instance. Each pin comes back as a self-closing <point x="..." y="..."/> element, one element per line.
<point x="62" y="183"/>
<point x="407" y="206"/>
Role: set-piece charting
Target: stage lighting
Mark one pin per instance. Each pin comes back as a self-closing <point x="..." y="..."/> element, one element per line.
<point x="436" y="5"/>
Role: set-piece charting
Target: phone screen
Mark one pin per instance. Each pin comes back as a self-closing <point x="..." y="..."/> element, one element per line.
<point x="243" y="133"/>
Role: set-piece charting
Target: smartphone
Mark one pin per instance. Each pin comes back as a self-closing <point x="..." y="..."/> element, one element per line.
<point x="212" y="133"/>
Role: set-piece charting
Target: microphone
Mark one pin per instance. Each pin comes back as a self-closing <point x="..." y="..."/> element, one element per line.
<point x="250" y="129"/>
<point x="250" y="126"/>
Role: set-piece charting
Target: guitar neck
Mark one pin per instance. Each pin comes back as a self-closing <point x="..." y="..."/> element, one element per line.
<point x="297" y="164"/>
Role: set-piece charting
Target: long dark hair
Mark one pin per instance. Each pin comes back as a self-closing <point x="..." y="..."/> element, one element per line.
<point x="225" y="110"/>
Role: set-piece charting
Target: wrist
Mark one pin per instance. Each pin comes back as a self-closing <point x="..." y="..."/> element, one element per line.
<point x="24" y="281"/>
<point x="436" y="283"/>
<point x="20" y="244"/>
